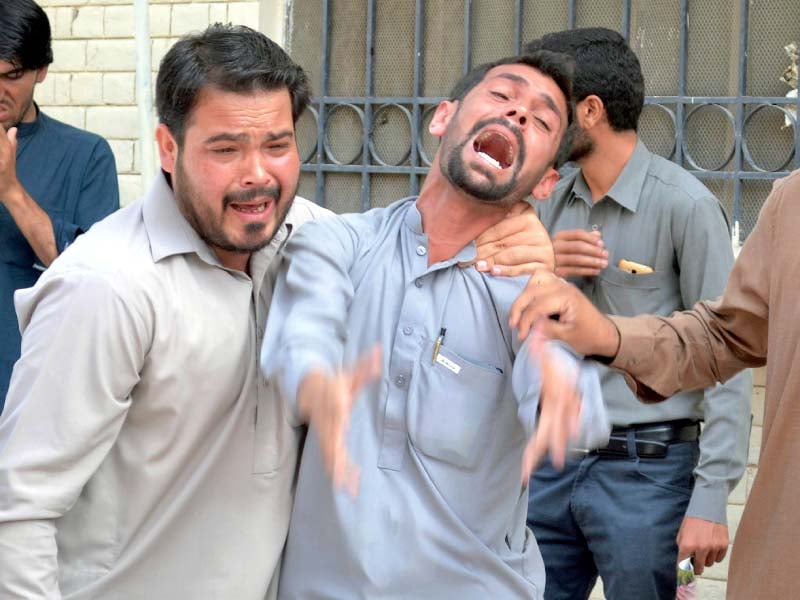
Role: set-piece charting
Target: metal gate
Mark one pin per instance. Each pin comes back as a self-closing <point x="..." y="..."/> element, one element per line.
<point x="715" y="103"/>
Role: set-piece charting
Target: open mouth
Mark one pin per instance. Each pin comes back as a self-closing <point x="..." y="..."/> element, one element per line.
<point x="495" y="149"/>
<point x="252" y="209"/>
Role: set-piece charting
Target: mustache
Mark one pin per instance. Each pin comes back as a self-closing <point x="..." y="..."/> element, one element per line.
<point x="268" y="192"/>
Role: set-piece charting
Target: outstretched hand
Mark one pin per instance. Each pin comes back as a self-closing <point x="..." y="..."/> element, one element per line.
<point x="559" y="407"/>
<point x="325" y="402"/>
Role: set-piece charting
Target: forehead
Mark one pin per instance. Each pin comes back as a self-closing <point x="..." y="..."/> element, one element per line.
<point x="220" y="109"/>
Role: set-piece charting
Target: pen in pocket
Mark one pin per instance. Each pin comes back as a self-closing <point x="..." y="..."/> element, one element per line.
<point x="438" y="344"/>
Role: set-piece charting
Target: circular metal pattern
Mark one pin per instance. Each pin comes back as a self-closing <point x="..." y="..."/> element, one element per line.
<point x="390" y="136"/>
<point x="306" y="132"/>
<point x="344" y="129"/>
<point x="772" y="134"/>
<point x="657" y="129"/>
<point x="707" y="137"/>
<point x="427" y="144"/>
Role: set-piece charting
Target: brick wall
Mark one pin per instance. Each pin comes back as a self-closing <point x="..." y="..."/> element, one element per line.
<point x="711" y="586"/>
<point x="92" y="81"/>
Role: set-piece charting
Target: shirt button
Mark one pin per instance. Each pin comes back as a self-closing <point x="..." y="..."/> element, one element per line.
<point x="418" y="282"/>
<point x="595" y="227"/>
<point x="407" y="330"/>
<point x="400" y="381"/>
<point x="421" y="250"/>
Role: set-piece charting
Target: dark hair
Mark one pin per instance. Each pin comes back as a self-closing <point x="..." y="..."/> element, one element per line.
<point x="557" y="66"/>
<point x="604" y="66"/>
<point x="232" y="58"/>
<point x="24" y="35"/>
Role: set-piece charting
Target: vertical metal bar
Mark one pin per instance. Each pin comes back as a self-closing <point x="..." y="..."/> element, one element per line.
<point x="518" y="26"/>
<point x="467" y="37"/>
<point x="625" y="28"/>
<point x="741" y="90"/>
<point x="369" y="92"/>
<point x="419" y="31"/>
<point x="797" y="131"/>
<point x="571" y="14"/>
<point x="320" y="191"/>
<point x="683" y="49"/>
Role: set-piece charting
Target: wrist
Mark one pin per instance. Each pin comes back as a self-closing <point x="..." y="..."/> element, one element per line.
<point x="611" y="339"/>
<point x="13" y="194"/>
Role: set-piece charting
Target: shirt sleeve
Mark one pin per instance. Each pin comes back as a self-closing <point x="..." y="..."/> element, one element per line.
<point x="99" y="197"/>
<point x="595" y="425"/>
<point x="714" y="341"/>
<point x="307" y="324"/>
<point x="705" y="259"/>
<point x="82" y="351"/>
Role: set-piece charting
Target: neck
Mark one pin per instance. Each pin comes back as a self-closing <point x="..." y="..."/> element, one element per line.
<point x="450" y="219"/>
<point x="236" y="261"/>
<point x="612" y="151"/>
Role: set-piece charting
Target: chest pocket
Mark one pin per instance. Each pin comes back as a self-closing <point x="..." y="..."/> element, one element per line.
<point x="454" y="406"/>
<point x="625" y="294"/>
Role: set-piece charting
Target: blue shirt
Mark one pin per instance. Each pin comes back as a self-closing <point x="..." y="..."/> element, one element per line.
<point x="441" y="510"/>
<point x="71" y="175"/>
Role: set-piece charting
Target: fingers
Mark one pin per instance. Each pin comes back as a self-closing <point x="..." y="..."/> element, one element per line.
<point x="559" y="417"/>
<point x="366" y="370"/>
<point x="592" y="238"/>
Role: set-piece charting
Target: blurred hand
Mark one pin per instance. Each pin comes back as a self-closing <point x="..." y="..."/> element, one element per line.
<point x="325" y="402"/>
<point x="579" y="253"/>
<point x="579" y="323"/>
<point x="559" y="408"/>
<point x="517" y="245"/>
<point x="706" y="541"/>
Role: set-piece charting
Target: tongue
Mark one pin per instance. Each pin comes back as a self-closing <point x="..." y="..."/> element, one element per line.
<point x="495" y="146"/>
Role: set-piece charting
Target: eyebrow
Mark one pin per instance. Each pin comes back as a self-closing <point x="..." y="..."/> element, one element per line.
<point x="546" y="98"/>
<point x="12" y="71"/>
<point x="242" y="137"/>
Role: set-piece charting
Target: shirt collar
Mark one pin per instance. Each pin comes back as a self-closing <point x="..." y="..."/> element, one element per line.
<point x="627" y="189"/>
<point x="28" y="129"/>
<point x="413" y="220"/>
<point x="168" y="230"/>
<point x="171" y="234"/>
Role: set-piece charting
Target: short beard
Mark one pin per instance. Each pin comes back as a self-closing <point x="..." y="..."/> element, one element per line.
<point x="581" y="145"/>
<point x="454" y="169"/>
<point x="213" y="234"/>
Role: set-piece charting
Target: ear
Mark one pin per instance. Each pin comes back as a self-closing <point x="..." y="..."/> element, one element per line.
<point x="41" y="74"/>
<point x="167" y="148"/>
<point x="441" y="117"/>
<point x="544" y="188"/>
<point x="590" y="111"/>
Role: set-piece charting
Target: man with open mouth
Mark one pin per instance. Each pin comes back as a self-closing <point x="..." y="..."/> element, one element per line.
<point x="440" y="422"/>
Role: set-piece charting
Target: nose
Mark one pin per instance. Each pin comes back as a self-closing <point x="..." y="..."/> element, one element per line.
<point x="518" y="114"/>
<point x="256" y="171"/>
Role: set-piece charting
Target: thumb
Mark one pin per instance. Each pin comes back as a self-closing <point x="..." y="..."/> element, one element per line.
<point x="11" y="134"/>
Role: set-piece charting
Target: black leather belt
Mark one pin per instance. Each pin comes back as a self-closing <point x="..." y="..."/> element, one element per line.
<point x="652" y="439"/>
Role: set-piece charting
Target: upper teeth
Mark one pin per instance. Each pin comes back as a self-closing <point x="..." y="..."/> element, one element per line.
<point x="489" y="160"/>
<point x="256" y="208"/>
